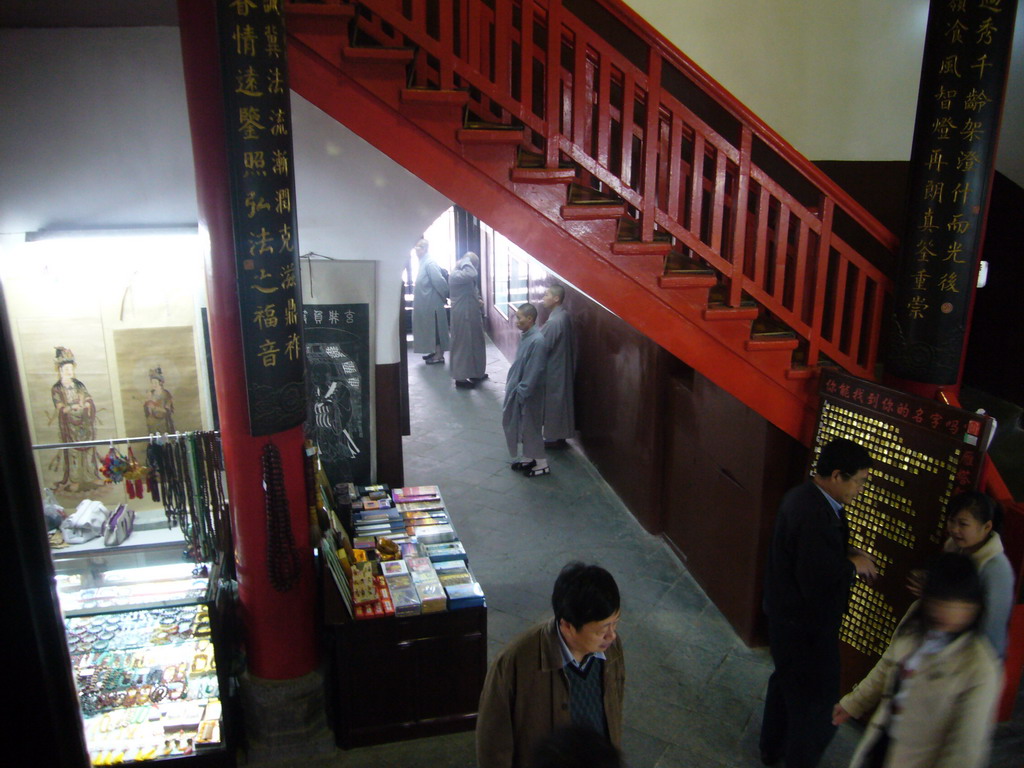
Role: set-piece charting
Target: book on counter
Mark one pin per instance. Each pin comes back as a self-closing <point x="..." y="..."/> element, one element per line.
<point x="393" y="568"/>
<point x="432" y="595"/>
<point x="363" y="590"/>
<point x="416" y="493"/>
<point x="403" y="594"/>
<point x="445" y="552"/>
<point x="453" y="572"/>
<point x="469" y="595"/>
<point x="420" y="506"/>
<point x="411" y="548"/>
<point x="434" y="534"/>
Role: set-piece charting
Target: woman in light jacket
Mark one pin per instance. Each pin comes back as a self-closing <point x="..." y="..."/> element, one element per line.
<point x="937" y="684"/>
<point x="973" y="521"/>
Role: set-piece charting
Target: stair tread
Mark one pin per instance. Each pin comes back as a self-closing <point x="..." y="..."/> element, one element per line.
<point x="581" y="195"/>
<point x="376" y="53"/>
<point x="320" y="9"/>
<point x="434" y="96"/>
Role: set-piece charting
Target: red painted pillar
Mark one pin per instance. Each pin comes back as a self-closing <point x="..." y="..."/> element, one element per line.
<point x="280" y="626"/>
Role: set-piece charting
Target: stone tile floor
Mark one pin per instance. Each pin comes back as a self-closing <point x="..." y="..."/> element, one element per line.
<point x="694" y="691"/>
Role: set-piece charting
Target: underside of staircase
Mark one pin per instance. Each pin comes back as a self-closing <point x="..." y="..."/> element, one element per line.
<point x="586" y="161"/>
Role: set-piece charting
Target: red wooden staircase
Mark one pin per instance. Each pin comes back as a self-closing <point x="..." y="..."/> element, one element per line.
<point x="621" y="166"/>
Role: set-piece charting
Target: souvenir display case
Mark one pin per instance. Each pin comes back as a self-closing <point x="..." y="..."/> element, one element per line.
<point x="143" y="630"/>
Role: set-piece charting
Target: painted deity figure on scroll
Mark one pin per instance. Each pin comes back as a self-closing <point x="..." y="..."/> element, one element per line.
<point x="559" y="405"/>
<point x="430" y="336"/>
<point x="469" y="358"/>
<point x="75" y="413"/>
<point x="159" y="405"/>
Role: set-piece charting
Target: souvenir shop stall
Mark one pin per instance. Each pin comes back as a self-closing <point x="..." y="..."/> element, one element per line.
<point x="129" y="468"/>
<point x="406" y="617"/>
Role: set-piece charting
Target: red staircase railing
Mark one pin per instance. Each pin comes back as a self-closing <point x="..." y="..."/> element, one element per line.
<point x="616" y="111"/>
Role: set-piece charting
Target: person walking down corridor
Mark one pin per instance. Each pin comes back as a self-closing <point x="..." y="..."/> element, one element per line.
<point x="429" y="317"/>
<point x="935" y="689"/>
<point x="566" y="672"/>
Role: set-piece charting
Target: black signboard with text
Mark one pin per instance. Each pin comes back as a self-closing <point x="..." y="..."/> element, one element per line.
<point x="963" y="78"/>
<point x="259" y="132"/>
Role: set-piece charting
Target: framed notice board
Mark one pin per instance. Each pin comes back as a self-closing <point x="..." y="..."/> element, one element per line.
<point x="924" y="452"/>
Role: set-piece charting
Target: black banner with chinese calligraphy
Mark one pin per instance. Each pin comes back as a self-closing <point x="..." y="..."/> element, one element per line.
<point x="252" y="39"/>
<point x="337" y="338"/>
<point x="963" y="77"/>
<point x="924" y="453"/>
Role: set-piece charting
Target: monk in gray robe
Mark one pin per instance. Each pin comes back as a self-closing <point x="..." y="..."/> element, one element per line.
<point x="468" y="353"/>
<point x="429" y="318"/>
<point x="559" y="406"/>
<point x="522" y="415"/>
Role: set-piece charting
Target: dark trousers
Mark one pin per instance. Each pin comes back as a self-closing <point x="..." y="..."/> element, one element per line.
<point x="802" y="690"/>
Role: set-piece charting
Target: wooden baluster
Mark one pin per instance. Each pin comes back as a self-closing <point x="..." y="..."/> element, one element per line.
<point x="718" y="203"/>
<point x="820" y="282"/>
<point x="875" y="329"/>
<point x="799" y="281"/>
<point x="838" y="301"/>
<point x="582" y="94"/>
<point x="781" y="255"/>
<point x="739" y="211"/>
<point x="553" y="83"/>
<point x="628" y="104"/>
<point x="675" y="178"/>
<point x="697" y="185"/>
<point x="649" y="183"/>
<point x="446" y="40"/>
<point x="474" y="34"/>
<point x="502" y="46"/>
<point x="526" y="57"/>
<point x="764" y="203"/>
<point x="857" y="316"/>
<point x="604" y="114"/>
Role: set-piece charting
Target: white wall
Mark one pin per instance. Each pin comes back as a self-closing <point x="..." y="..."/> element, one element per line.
<point x="94" y="132"/>
<point x="837" y="79"/>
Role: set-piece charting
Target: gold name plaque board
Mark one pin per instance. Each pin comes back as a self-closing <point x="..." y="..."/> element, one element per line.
<point x="924" y="452"/>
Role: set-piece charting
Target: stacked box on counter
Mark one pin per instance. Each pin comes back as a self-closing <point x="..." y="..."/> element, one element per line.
<point x="406" y="556"/>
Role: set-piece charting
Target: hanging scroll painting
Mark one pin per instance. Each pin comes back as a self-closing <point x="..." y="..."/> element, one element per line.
<point x="158" y="380"/>
<point x="70" y="400"/>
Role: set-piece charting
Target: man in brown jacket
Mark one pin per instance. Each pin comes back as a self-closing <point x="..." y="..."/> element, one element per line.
<point x="567" y="671"/>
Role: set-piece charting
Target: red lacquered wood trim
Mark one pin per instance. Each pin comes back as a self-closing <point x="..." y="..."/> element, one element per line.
<point x="543" y="175"/>
<point x="633" y="247"/>
<point x="671" y="280"/>
<point x="857" y="317"/>
<point x="730" y="313"/>
<point x="487" y="136"/>
<point x="765" y="345"/>
<point x="718" y="206"/>
<point x="553" y="81"/>
<point x="431" y="96"/>
<point x="592" y="212"/>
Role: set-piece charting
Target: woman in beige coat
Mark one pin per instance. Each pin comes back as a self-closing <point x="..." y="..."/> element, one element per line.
<point x="937" y="684"/>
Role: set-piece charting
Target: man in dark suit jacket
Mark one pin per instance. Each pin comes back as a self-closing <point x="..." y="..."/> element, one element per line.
<point x="810" y="570"/>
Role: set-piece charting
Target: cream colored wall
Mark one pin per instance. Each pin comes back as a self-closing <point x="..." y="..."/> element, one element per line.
<point x="836" y="79"/>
